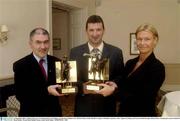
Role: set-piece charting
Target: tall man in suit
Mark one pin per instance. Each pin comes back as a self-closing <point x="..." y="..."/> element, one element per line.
<point x="103" y="102"/>
<point x="34" y="79"/>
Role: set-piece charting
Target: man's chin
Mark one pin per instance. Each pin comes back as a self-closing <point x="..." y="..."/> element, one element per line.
<point x="96" y="42"/>
<point x="42" y="55"/>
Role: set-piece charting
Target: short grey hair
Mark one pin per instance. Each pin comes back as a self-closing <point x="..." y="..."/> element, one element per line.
<point x="38" y="31"/>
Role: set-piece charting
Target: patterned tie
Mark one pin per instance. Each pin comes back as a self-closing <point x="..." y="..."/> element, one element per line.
<point x="97" y="52"/>
<point x="42" y="68"/>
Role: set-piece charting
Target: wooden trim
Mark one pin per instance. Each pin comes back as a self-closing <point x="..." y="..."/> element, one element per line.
<point x="6" y="78"/>
<point x="9" y="109"/>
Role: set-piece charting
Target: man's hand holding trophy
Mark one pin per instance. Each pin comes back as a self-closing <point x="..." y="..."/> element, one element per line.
<point x="98" y="72"/>
<point x="66" y="76"/>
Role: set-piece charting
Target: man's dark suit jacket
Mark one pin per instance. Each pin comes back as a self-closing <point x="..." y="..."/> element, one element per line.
<point x="95" y="104"/>
<point x="31" y="87"/>
<point x="138" y="91"/>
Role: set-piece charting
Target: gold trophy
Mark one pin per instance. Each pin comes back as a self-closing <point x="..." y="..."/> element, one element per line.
<point x="66" y="76"/>
<point x="98" y="71"/>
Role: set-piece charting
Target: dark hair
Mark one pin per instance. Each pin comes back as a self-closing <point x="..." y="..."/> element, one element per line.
<point x="94" y="19"/>
<point x="38" y="31"/>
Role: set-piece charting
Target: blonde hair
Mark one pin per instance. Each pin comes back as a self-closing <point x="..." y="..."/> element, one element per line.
<point x="147" y="27"/>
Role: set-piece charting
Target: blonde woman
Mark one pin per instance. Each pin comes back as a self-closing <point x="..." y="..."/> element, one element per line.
<point x="143" y="76"/>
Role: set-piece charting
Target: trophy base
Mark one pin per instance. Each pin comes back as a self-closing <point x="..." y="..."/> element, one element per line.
<point x="92" y="86"/>
<point x="67" y="90"/>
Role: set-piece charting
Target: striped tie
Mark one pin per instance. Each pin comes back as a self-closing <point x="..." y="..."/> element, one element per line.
<point x="42" y="68"/>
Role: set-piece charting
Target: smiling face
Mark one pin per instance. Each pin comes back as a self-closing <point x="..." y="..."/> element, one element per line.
<point x="95" y="33"/>
<point x="146" y="42"/>
<point x="40" y="43"/>
<point x="95" y="30"/>
<point x="146" y="38"/>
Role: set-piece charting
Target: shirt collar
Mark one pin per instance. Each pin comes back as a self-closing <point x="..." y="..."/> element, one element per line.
<point x="38" y="59"/>
<point x="100" y="47"/>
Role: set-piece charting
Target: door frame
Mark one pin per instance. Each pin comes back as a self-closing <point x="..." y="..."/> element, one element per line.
<point x="74" y="5"/>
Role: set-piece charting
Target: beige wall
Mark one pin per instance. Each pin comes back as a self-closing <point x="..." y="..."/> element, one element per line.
<point x="123" y="16"/>
<point x="172" y="74"/>
<point x="179" y="30"/>
<point x="21" y="16"/>
<point x="172" y="81"/>
<point x="90" y="4"/>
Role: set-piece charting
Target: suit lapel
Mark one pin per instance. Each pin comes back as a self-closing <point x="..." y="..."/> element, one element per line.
<point x="34" y="63"/>
<point x="143" y="66"/>
<point x="85" y="48"/>
<point x="50" y="66"/>
<point x="105" y="53"/>
<point x="83" y="65"/>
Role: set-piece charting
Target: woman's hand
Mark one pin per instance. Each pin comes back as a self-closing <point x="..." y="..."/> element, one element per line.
<point x="108" y="88"/>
